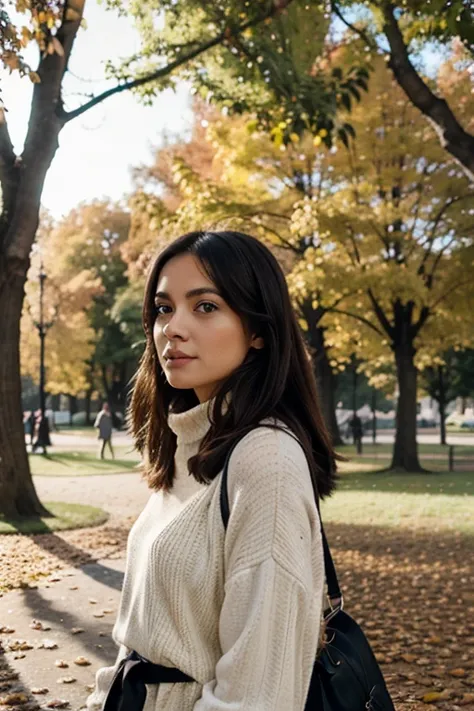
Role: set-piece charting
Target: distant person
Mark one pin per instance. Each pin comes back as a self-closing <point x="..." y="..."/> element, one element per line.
<point x="29" y="421"/>
<point x="103" y="422"/>
<point x="356" y="428"/>
<point x="41" y="433"/>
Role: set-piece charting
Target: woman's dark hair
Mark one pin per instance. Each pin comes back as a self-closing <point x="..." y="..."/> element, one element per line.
<point x="273" y="382"/>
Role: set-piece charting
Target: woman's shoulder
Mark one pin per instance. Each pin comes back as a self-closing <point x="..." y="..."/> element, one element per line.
<point x="270" y="447"/>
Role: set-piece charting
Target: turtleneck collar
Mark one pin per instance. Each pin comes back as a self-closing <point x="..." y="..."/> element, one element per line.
<point x="191" y="425"/>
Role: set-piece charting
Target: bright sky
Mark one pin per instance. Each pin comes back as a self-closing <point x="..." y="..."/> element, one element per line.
<point x="105" y="142"/>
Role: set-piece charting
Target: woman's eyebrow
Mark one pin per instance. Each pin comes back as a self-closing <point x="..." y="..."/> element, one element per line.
<point x="189" y="294"/>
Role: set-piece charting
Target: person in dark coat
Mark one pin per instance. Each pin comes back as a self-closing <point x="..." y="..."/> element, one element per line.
<point x="103" y="422"/>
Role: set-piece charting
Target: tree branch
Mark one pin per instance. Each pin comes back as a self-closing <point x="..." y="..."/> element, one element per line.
<point x="226" y="34"/>
<point x="453" y="137"/>
<point x="432" y="236"/>
<point x="450" y="291"/>
<point x="362" y="319"/>
<point x="424" y="313"/>
<point x="369" y="41"/>
<point x="384" y="322"/>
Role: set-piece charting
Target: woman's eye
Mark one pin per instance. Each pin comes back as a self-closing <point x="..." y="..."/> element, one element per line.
<point x="159" y="307"/>
<point x="207" y="307"/>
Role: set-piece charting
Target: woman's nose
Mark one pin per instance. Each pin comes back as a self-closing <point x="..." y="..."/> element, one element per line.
<point x="175" y="327"/>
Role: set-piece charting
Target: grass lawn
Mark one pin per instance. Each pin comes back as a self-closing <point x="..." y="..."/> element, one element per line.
<point x="65" y="516"/>
<point x="82" y="463"/>
<point x="423" y="449"/>
<point x="435" y="502"/>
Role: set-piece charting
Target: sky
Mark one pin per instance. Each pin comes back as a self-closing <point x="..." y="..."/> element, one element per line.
<point x="105" y="142"/>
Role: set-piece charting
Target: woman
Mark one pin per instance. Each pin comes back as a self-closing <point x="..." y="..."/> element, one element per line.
<point x="237" y="611"/>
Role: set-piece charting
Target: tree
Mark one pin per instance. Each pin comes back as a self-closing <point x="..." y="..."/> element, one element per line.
<point x="90" y="239"/>
<point x="68" y="295"/>
<point x="53" y="26"/>
<point x="408" y="27"/>
<point x="399" y="210"/>
<point x="452" y="376"/>
<point x="214" y="191"/>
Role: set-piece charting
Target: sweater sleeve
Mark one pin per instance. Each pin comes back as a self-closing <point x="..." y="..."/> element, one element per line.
<point x="270" y="618"/>
<point x="103" y="681"/>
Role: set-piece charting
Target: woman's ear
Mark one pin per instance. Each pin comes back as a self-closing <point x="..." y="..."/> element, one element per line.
<point x="257" y="343"/>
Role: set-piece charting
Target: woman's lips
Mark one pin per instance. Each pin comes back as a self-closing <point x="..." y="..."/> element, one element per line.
<point x="178" y="362"/>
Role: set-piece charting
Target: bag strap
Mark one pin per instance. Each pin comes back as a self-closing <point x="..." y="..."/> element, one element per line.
<point x="333" y="589"/>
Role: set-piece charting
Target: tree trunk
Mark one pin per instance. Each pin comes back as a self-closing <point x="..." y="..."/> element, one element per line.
<point x="374" y="416"/>
<point x="72" y="408"/>
<point x="88" y="406"/>
<point x="326" y="383"/>
<point x="442" y="404"/>
<point x="18" y="497"/>
<point x="405" y="451"/>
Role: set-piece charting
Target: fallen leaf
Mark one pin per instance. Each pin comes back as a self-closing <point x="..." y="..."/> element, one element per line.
<point x="98" y="614"/>
<point x="18" y="645"/>
<point x="48" y="644"/>
<point x="82" y="662"/>
<point x="67" y="680"/>
<point x="409" y="658"/>
<point x="458" y="673"/>
<point x="37" y="625"/>
<point x="77" y="630"/>
<point x="61" y="664"/>
<point x="57" y="704"/>
<point x="40" y="690"/>
<point x="6" y="630"/>
<point x="92" y="601"/>
<point x="433" y="696"/>
<point x="14" y="699"/>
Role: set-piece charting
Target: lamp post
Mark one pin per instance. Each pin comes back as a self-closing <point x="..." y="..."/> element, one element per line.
<point x="43" y="440"/>
<point x="42" y="328"/>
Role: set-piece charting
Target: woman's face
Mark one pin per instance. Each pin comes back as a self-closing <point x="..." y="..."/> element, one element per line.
<point x="200" y="341"/>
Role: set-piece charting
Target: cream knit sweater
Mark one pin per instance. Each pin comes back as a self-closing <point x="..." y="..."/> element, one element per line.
<point x="238" y="611"/>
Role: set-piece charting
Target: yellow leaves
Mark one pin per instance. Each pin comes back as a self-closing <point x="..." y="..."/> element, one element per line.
<point x="26" y="36"/>
<point x="10" y="60"/>
<point x="434" y="696"/>
<point x="252" y="126"/>
<point x="317" y="140"/>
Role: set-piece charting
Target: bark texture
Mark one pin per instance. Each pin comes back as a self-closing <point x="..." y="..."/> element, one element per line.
<point x="18" y="497"/>
<point x="405" y="451"/>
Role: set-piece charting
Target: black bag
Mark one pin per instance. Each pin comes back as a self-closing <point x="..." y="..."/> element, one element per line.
<point x="346" y="676"/>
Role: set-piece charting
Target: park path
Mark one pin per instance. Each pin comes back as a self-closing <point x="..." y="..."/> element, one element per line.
<point x="121" y="495"/>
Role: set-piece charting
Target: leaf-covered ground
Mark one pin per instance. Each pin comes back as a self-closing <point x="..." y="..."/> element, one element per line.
<point x="413" y="593"/>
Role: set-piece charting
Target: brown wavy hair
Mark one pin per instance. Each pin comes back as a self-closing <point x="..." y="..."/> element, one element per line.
<point x="276" y="381"/>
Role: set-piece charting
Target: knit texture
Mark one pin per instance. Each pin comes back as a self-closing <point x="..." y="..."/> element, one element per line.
<point x="239" y="610"/>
